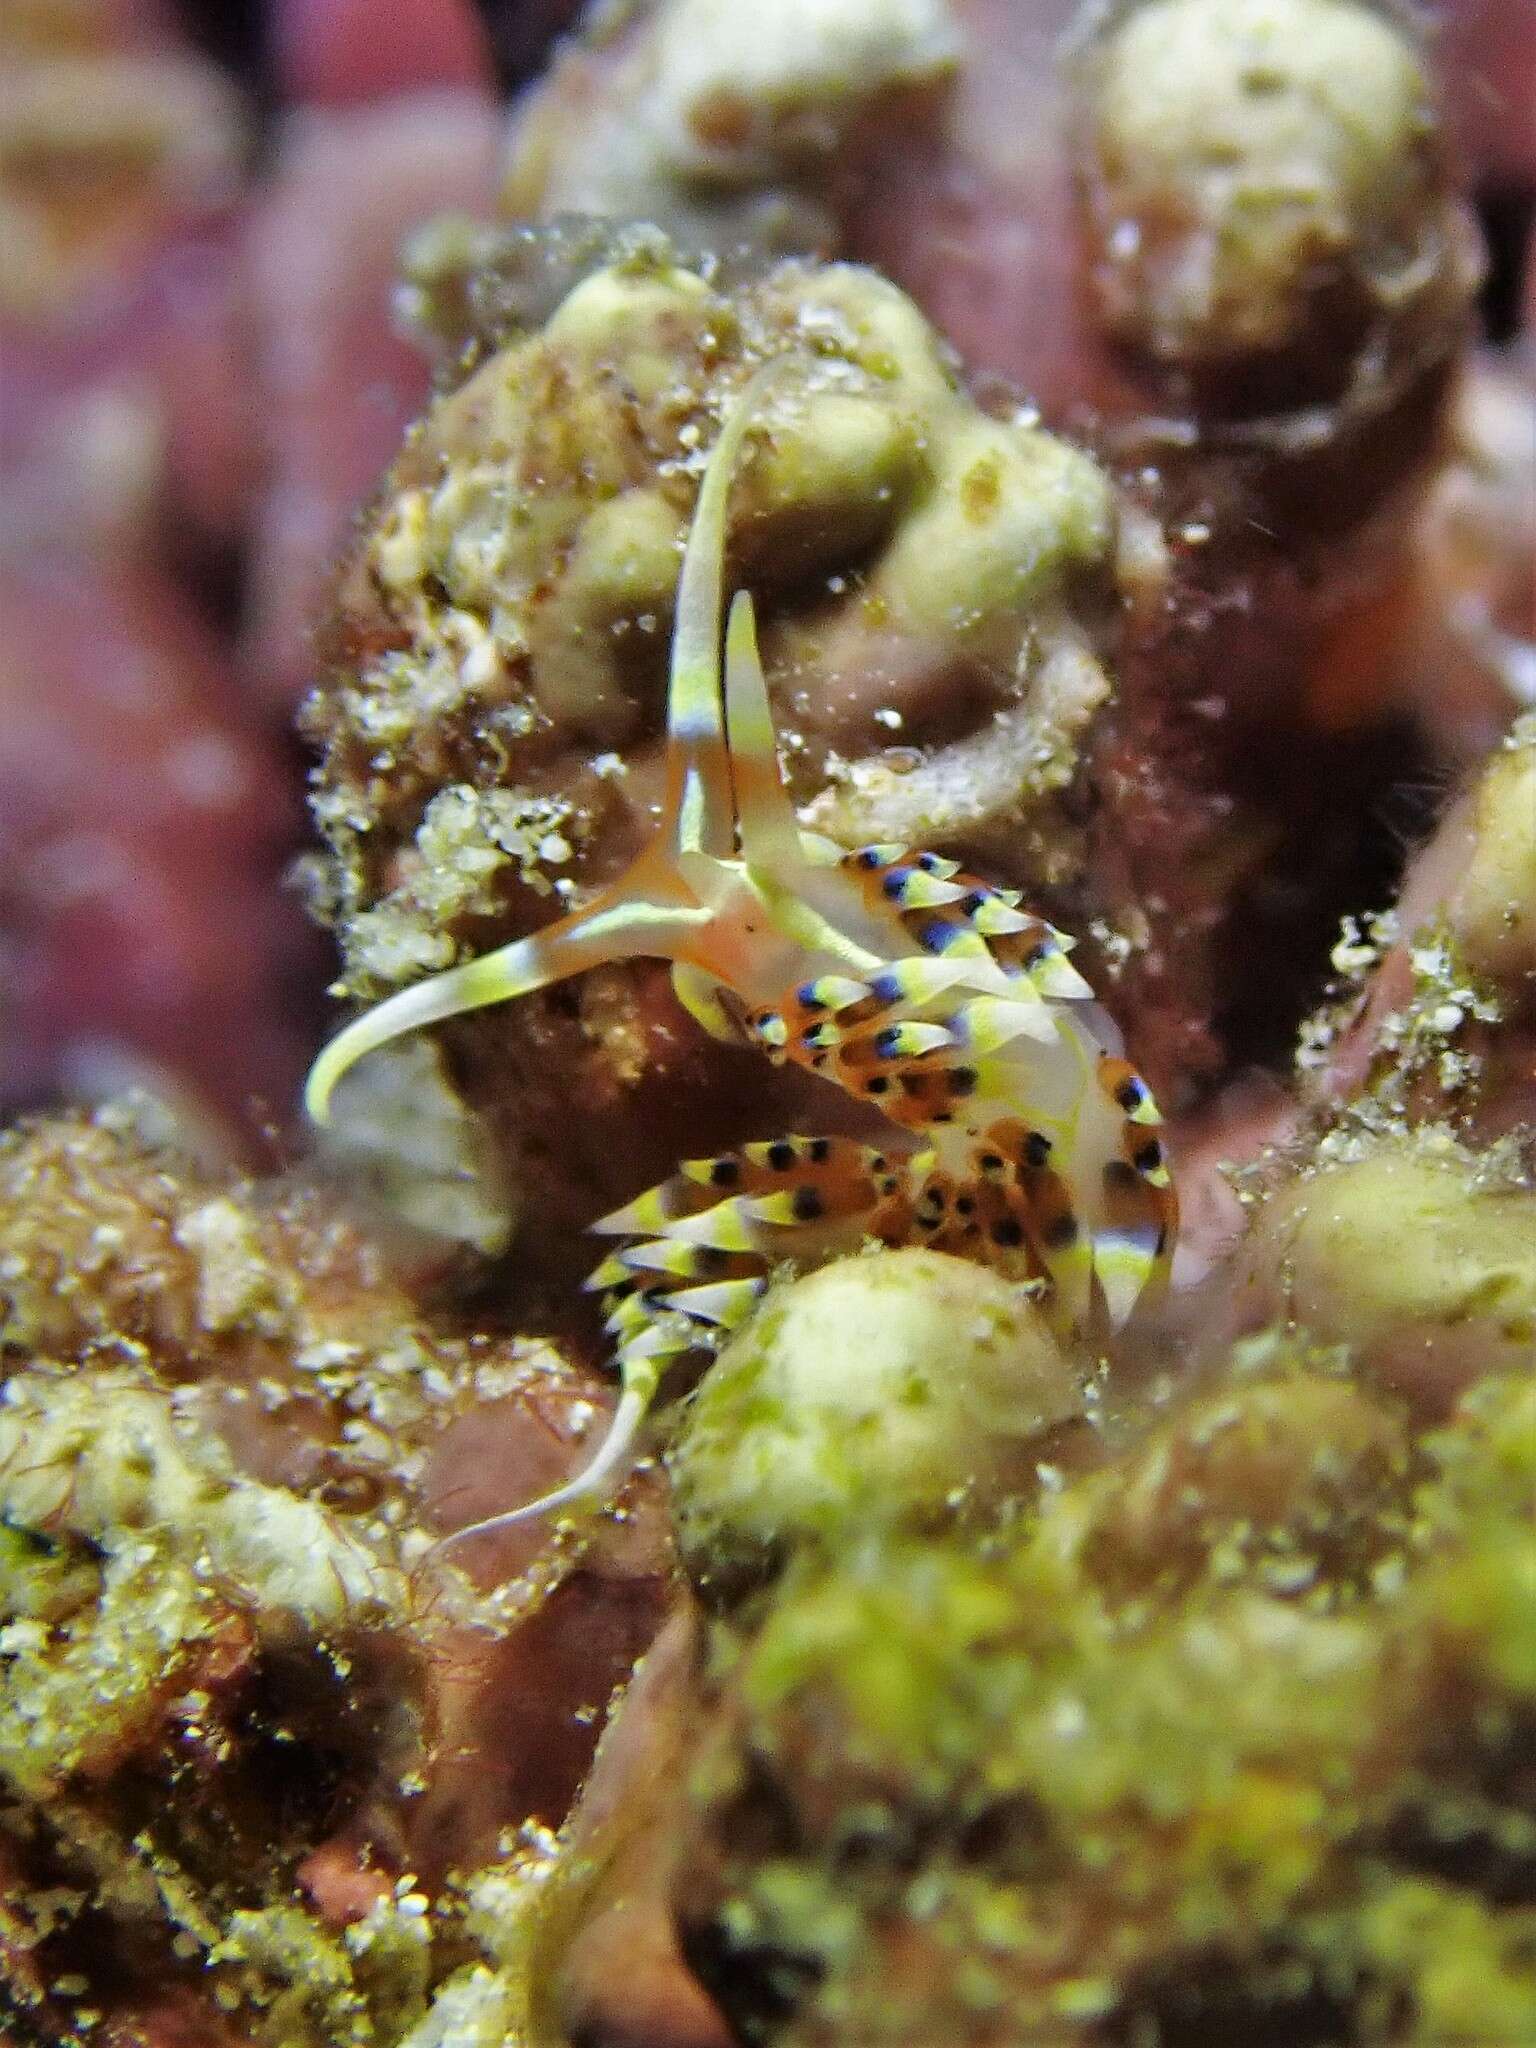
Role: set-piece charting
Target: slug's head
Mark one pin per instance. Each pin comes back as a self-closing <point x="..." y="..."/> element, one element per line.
<point x="730" y="891"/>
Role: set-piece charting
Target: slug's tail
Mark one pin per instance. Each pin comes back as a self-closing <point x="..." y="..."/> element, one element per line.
<point x="590" y="1485"/>
<point x="1117" y="1254"/>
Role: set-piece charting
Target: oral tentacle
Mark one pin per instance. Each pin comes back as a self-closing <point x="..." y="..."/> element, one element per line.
<point x="619" y="925"/>
<point x="699" y="813"/>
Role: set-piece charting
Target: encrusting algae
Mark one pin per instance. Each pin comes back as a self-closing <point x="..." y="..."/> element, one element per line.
<point x="1269" y="200"/>
<point x="1230" y="1741"/>
<point x="948" y="1386"/>
<point x="726" y="126"/>
<point x="233" y="1681"/>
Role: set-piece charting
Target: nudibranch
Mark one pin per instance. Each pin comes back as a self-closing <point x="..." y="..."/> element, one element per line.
<point x="1019" y="1136"/>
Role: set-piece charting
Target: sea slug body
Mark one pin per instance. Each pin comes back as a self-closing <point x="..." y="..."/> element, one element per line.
<point x="1022" y="1139"/>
